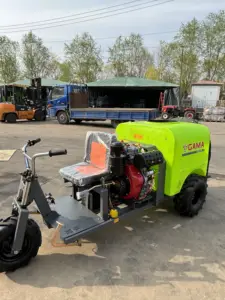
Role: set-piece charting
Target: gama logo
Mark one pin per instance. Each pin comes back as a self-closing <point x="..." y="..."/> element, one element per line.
<point x="193" y="148"/>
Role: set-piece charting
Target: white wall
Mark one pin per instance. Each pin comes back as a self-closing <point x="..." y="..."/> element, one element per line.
<point x="205" y="95"/>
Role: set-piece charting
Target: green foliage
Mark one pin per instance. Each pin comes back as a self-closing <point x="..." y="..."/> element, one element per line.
<point x="129" y="57"/>
<point x="212" y="43"/>
<point x="65" y="72"/>
<point x="84" y="58"/>
<point x="197" y="52"/>
<point x="9" y="66"/>
<point x="37" y="59"/>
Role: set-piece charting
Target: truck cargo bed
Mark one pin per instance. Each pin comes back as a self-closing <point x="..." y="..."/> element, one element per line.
<point x="112" y="109"/>
<point x="115" y="113"/>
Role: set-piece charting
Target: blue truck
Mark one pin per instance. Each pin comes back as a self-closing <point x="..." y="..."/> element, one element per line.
<point x="72" y="102"/>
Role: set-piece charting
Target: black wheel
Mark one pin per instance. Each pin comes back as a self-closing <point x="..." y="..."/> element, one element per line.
<point x="62" y="117"/>
<point x="32" y="241"/>
<point x="39" y="115"/>
<point x="192" y="196"/>
<point x="115" y="123"/>
<point x="189" y="114"/>
<point x="77" y="121"/>
<point x="165" y="116"/>
<point x="10" y="118"/>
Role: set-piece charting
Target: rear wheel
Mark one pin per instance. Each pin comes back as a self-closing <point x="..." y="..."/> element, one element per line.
<point x="77" y="121"/>
<point x="32" y="241"/>
<point x="115" y="123"/>
<point x="192" y="196"/>
<point x="10" y="118"/>
<point x="189" y="114"/>
<point x="62" y="117"/>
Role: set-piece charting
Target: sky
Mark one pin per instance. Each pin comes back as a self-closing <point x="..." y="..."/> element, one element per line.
<point x="155" y="23"/>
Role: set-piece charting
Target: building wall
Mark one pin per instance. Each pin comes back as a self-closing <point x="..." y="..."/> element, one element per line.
<point x="205" y="95"/>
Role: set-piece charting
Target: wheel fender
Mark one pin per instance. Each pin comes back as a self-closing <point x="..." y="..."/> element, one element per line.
<point x="61" y="110"/>
<point x="184" y="177"/>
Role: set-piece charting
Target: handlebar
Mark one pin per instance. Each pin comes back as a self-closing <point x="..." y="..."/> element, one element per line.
<point x="57" y="152"/>
<point x="32" y="159"/>
<point x="33" y="142"/>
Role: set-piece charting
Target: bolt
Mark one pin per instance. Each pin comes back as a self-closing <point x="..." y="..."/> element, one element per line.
<point x="16" y="252"/>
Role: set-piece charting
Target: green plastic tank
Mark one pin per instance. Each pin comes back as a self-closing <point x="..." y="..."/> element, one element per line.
<point x="184" y="145"/>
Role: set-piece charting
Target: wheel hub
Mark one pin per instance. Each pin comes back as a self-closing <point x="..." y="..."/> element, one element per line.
<point x="62" y="117"/>
<point x="6" y="252"/>
<point x="6" y="248"/>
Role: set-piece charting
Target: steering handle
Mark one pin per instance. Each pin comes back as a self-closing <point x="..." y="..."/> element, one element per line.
<point x="57" y="152"/>
<point x="33" y="142"/>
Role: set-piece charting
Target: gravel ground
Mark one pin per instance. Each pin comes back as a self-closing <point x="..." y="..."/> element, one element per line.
<point x="156" y="255"/>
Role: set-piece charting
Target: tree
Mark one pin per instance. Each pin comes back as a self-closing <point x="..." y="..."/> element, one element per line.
<point x="179" y="60"/>
<point x="9" y="65"/>
<point x="38" y="61"/>
<point x="212" y="41"/>
<point x="188" y="61"/>
<point x="165" y="62"/>
<point x="84" y="58"/>
<point x="106" y="73"/>
<point x="196" y="52"/>
<point x="129" y="57"/>
<point x="65" y="72"/>
<point x="152" y="73"/>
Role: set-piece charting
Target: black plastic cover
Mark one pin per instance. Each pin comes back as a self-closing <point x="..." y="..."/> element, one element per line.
<point x="148" y="159"/>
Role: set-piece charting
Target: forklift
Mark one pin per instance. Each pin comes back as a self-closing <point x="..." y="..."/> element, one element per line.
<point x="30" y="105"/>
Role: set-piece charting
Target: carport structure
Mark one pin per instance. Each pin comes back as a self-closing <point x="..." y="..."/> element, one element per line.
<point x="133" y="92"/>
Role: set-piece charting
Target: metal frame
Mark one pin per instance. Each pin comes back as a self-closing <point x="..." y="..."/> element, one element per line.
<point x="30" y="190"/>
<point x="27" y="190"/>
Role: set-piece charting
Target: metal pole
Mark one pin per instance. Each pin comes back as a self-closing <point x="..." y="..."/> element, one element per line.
<point x="31" y="55"/>
<point x="181" y="69"/>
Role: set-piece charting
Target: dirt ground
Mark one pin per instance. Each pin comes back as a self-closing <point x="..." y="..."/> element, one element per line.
<point x="156" y="255"/>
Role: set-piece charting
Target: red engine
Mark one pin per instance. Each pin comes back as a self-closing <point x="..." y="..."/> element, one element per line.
<point x="136" y="182"/>
<point x="131" y="169"/>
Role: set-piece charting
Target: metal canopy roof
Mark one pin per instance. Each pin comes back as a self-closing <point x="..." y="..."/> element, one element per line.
<point x="207" y="82"/>
<point x="131" y="82"/>
<point x="44" y="82"/>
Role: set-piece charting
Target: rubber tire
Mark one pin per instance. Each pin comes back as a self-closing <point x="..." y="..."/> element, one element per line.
<point x="32" y="233"/>
<point x="183" y="201"/>
<point x="115" y="123"/>
<point x="65" y="119"/>
<point x="187" y="113"/>
<point x="10" y="118"/>
<point x="39" y="116"/>
<point x="166" y="116"/>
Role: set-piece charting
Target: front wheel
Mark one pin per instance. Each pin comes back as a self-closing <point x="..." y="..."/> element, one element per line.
<point x="11" y="118"/>
<point x="39" y="116"/>
<point x="165" y="116"/>
<point x="32" y="241"/>
<point x="62" y="117"/>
